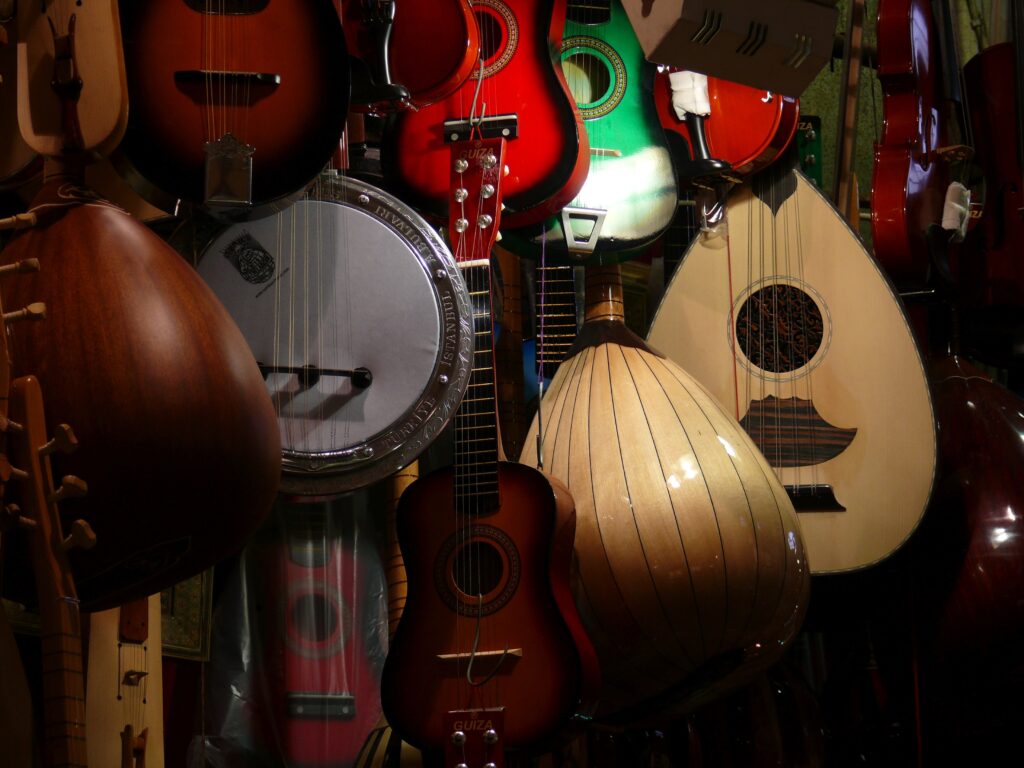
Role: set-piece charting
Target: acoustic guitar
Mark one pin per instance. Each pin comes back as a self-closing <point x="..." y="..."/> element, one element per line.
<point x="518" y="92"/>
<point x="234" y="104"/>
<point x="489" y="638"/>
<point x="629" y="195"/>
<point x="787" y="320"/>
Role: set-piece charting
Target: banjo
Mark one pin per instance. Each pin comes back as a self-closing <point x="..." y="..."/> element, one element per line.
<point x="359" y="320"/>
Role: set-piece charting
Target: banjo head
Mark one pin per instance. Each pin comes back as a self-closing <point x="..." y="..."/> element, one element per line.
<point x="359" y="319"/>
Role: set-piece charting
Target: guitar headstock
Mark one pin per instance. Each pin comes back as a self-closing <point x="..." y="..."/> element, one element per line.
<point x="474" y="208"/>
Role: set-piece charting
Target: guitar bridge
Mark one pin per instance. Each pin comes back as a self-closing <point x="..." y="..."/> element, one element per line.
<point x="498" y="126"/>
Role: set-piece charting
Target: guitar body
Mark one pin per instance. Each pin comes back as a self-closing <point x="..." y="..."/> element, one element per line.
<point x="523" y="551"/>
<point x="630" y="194"/>
<point x="791" y="324"/>
<point x="909" y="181"/>
<point x="324" y="645"/>
<point x="111" y="701"/>
<point x="193" y="79"/>
<point x="548" y="161"/>
<point x="747" y="128"/>
<point x="430" y="66"/>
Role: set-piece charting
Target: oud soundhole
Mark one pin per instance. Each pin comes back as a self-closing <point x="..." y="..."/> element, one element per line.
<point x="779" y="328"/>
<point x="477" y="568"/>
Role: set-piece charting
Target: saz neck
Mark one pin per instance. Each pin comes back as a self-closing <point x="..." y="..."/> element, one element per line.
<point x="556" y="317"/>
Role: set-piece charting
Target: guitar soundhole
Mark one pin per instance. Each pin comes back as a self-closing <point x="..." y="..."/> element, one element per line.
<point x="499" y="35"/>
<point x="587" y="76"/>
<point x="477" y="569"/>
<point x="595" y="74"/>
<point x="779" y="328"/>
<point x="314" y="618"/>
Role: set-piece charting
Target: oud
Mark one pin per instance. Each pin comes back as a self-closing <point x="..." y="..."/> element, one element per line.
<point x="791" y="324"/>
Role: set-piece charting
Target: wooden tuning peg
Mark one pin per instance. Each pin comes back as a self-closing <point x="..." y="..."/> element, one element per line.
<point x="9" y="425"/>
<point x="34" y="311"/>
<point x="18" y="221"/>
<point x="11" y="516"/>
<point x="71" y="487"/>
<point x="7" y="471"/>
<point x="81" y="536"/>
<point x="63" y="440"/>
<point x="20" y="267"/>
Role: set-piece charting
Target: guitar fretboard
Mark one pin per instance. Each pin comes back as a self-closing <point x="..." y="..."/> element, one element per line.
<point x="556" y="316"/>
<point x="476" y="424"/>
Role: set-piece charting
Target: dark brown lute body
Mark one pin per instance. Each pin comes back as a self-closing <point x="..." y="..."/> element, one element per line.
<point x="180" y="442"/>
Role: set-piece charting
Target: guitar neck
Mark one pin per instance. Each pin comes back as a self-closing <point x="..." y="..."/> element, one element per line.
<point x="64" y="740"/>
<point x="556" y="317"/>
<point x="589" y="11"/>
<point x="476" y="424"/>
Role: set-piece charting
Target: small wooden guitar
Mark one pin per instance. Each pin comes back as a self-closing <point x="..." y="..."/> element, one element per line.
<point x="791" y="323"/>
<point x="234" y="104"/>
<point x="629" y="195"/>
<point x="489" y="638"/>
<point x="520" y="93"/>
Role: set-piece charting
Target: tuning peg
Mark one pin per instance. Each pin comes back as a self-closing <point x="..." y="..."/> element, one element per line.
<point x="20" y="267"/>
<point x="11" y="516"/>
<point x="7" y="471"/>
<point x="34" y="311"/>
<point x="9" y="425"/>
<point x="81" y="536"/>
<point x="63" y="440"/>
<point x="18" y="221"/>
<point x="71" y="487"/>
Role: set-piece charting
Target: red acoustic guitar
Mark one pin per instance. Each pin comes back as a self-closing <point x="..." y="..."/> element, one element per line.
<point x="521" y="96"/>
<point x="747" y="128"/>
<point x="910" y="179"/>
<point x="234" y="103"/>
<point x="388" y="36"/>
<point x="489" y="654"/>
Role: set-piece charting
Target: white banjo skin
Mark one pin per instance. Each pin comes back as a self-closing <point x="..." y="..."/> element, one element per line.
<point x="866" y="374"/>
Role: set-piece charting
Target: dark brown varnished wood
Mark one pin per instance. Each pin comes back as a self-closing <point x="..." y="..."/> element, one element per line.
<point x="180" y="444"/>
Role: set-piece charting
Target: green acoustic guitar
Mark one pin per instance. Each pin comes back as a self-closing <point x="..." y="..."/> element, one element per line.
<point x="629" y="196"/>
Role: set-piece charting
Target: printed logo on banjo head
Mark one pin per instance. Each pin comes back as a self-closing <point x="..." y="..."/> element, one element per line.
<point x="253" y="262"/>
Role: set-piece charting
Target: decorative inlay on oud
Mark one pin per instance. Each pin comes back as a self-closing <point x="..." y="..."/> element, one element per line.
<point x="791" y="433"/>
<point x="794" y="328"/>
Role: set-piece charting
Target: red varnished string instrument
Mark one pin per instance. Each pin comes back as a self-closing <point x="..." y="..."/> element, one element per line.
<point x="489" y="639"/>
<point x="991" y="273"/>
<point x="233" y="103"/>
<point x="910" y="178"/>
<point x="428" y="47"/>
<point x="747" y="128"/>
<point x="522" y="96"/>
<point x="180" y="443"/>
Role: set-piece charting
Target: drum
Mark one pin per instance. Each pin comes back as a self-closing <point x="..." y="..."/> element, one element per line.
<point x="360" y="322"/>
